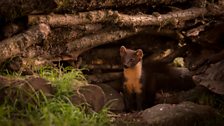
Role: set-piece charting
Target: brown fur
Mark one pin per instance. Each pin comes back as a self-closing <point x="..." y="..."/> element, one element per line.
<point x="143" y="78"/>
<point x="133" y="86"/>
<point x="133" y="77"/>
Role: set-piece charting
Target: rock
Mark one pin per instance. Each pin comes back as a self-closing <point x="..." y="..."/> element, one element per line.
<point x="128" y="119"/>
<point x="116" y="85"/>
<point x="184" y="114"/>
<point x="213" y="78"/>
<point x="114" y="100"/>
<point x="25" y="91"/>
<point x="41" y="84"/>
<point x="193" y="95"/>
<point x="29" y="84"/>
<point x="175" y="79"/>
<point x="91" y="95"/>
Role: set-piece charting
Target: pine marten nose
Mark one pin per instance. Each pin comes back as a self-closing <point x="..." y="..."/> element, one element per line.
<point x="125" y="66"/>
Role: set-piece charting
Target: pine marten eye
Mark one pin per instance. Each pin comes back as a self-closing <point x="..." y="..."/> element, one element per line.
<point x="132" y="59"/>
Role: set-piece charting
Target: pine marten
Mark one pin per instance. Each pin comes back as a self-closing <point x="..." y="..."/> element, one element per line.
<point x="143" y="79"/>
<point x="139" y="90"/>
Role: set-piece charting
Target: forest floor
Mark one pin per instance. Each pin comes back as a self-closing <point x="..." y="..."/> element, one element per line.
<point x="22" y="108"/>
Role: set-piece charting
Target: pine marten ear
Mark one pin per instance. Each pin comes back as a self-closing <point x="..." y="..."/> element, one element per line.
<point x="122" y="51"/>
<point x="139" y="53"/>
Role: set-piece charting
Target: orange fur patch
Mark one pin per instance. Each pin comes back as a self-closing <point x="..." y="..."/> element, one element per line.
<point x="133" y="76"/>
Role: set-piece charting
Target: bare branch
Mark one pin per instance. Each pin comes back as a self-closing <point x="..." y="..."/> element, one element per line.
<point x="171" y="17"/>
<point x="71" y="19"/>
<point x="103" y="37"/>
<point x="15" y="45"/>
<point x="115" y="17"/>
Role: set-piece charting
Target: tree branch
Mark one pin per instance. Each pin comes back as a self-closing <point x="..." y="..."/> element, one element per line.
<point x="163" y="19"/>
<point x="15" y="45"/>
<point x="118" y="18"/>
<point x="104" y="37"/>
<point x="71" y="19"/>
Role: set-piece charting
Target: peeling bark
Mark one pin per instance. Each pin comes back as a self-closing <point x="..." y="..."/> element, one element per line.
<point x="195" y="31"/>
<point x="17" y="44"/>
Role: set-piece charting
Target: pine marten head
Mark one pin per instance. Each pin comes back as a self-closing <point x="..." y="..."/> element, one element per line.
<point x="130" y="57"/>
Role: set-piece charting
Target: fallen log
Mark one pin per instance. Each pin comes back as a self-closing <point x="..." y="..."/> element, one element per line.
<point x="160" y="19"/>
<point x="63" y="35"/>
<point x="118" y="18"/>
<point x="17" y="44"/>
<point x="106" y="36"/>
<point x="71" y="19"/>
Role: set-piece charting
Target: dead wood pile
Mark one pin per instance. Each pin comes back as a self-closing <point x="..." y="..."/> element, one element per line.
<point x="89" y="33"/>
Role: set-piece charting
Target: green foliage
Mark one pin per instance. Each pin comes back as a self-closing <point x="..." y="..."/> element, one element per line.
<point x="65" y="79"/>
<point x="62" y="4"/>
<point x="57" y="110"/>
